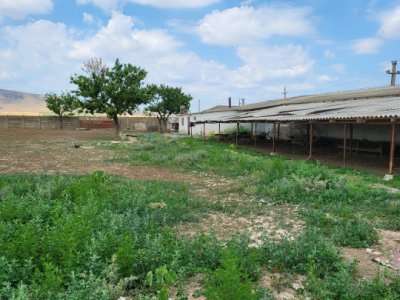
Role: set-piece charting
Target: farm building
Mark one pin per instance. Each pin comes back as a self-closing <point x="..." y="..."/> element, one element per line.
<point x="214" y="113"/>
<point x="353" y="121"/>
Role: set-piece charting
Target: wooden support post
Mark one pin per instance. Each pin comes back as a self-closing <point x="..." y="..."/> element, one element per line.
<point x="255" y="134"/>
<point x="351" y="139"/>
<point x="392" y="148"/>
<point x="344" y="144"/>
<point x="237" y="133"/>
<point x="204" y="131"/>
<point x="310" y="141"/>
<point x="273" y="138"/>
<point x="219" y="131"/>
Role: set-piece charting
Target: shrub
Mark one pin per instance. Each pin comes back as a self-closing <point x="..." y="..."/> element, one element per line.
<point x="229" y="281"/>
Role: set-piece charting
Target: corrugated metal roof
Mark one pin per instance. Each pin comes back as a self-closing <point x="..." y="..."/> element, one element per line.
<point x="383" y="103"/>
<point x="217" y="108"/>
<point x="388" y="91"/>
<point x="372" y="108"/>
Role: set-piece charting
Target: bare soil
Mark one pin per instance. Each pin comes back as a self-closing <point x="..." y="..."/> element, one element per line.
<point x="53" y="151"/>
<point x="368" y="268"/>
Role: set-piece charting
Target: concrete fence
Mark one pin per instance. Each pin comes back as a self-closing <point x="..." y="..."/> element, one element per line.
<point x="53" y="122"/>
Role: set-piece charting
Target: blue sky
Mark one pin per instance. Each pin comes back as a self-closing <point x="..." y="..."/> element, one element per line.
<point x="213" y="49"/>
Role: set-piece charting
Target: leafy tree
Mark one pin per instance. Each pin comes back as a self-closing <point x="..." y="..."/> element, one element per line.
<point x="167" y="101"/>
<point x="114" y="91"/>
<point x="61" y="105"/>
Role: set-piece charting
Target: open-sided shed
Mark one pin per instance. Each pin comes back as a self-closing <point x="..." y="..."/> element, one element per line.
<point x="375" y="111"/>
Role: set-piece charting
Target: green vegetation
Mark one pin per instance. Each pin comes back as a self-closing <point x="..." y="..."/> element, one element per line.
<point x="102" y="237"/>
<point x="111" y="91"/>
<point x="64" y="104"/>
<point x="340" y="203"/>
<point x="167" y="101"/>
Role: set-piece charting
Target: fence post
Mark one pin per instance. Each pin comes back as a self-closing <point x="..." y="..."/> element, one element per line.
<point x="40" y="123"/>
<point x="8" y="123"/>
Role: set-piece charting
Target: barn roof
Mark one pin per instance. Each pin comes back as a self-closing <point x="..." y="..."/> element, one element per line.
<point x="376" y="103"/>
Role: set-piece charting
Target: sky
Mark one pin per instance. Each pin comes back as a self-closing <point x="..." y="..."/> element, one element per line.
<point x="212" y="49"/>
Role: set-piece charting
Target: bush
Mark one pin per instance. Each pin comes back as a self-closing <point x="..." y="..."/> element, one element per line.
<point x="229" y="281"/>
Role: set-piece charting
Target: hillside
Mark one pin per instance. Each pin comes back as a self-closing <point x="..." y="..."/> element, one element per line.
<point x="13" y="101"/>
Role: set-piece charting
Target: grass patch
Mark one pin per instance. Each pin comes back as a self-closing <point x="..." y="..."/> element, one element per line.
<point x="66" y="236"/>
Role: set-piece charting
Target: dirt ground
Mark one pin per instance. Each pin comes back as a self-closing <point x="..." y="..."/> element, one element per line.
<point x="53" y="151"/>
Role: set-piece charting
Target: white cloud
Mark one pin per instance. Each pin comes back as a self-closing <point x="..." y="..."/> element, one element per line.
<point x="106" y="5"/>
<point x="42" y="55"/>
<point x="366" y="46"/>
<point x="110" y="5"/>
<point x="265" y="63"/>
<point x="326" y="78"/>
<point x="132" y="43"/>
<point x="176" y="3"/>
<point x="245" y="24"/>
<point x="390" y="24"/>
<point x="18" y="9"/>
<point x="329" y="53"/>
<point x="88" y="18"/>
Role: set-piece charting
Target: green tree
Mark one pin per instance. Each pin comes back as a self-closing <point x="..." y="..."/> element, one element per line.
<point x="61" y="105"/>
<point x="114" y="91"/>
<point x="167" y="101"/>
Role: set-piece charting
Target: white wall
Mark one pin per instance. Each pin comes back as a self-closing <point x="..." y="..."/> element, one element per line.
<point x="212" y="128"/>
<point x="375" y="133"/>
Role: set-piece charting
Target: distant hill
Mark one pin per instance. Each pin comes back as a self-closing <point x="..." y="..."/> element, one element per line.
<point x="13" y="101"/>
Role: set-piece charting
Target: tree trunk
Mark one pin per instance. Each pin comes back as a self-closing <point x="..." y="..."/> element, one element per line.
<point x="164" y="124"/>
<point x="117" y="125"/>
<point x="160" y="124"/>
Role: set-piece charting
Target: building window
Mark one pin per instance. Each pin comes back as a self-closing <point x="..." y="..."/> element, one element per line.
<point x="183" y="121"/>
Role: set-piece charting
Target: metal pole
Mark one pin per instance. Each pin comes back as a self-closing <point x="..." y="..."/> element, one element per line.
<point x="255" y="134"/>
<point x="204" y="131"/>
<point x="279" y="130"/>
<point x="237" y="133"/>
<point x="344" y="144"/>
<point x="219" y="131"/>
<point x="310" y="141"/>
<point x="273" y="138"/>
<point x="351" y="139"/>
<point x="392" y="148"/>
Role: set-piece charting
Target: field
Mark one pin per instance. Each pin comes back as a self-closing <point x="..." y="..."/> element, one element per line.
<point x="162" y="216"/>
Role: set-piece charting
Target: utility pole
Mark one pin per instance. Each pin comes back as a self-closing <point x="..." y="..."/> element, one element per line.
<point x="393" y="73"/>
<point x="284" y="92"/>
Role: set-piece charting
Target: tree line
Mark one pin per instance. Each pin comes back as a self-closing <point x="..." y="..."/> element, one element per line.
<point x="116" y="91"/>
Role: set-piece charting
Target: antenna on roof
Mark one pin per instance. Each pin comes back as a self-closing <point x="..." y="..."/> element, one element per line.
<point x="284" y="92"/>
<point x="393" y="73"/>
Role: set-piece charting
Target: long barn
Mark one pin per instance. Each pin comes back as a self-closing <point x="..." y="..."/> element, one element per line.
<point x="359" y="121"/>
